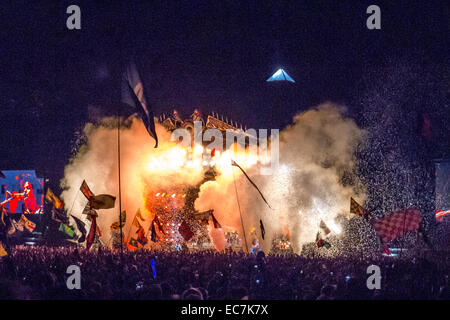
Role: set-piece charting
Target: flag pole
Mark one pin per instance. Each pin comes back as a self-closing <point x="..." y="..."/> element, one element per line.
<point x="120" y="194"/>
<point x="240" y="213"/>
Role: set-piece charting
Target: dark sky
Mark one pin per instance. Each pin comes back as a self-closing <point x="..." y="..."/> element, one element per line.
<point x="211" y="55"/>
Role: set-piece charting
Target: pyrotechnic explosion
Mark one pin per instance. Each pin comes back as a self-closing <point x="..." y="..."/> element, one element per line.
<point x="316" y="151"/>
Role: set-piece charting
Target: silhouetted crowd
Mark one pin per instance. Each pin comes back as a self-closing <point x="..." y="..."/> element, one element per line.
<point x="41" y="273"/>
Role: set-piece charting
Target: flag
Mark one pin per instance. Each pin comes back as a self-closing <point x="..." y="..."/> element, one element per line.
<point x="324" y="227"/>
<point x="185" y="231"/>
<point x="2" y="251"/>
<point x="261" y="226"/>
<point x="357" y="209"/>
<point x="233" y="163"/>
<point x="17" y="226"/>
<point x="154" y="236"/>
<point x="84" y="188"/>
<point x="116" y="225"/>
<point x="91" y="236"/>
<point x="59" y="216"/>
<point x="67" y="230"/>
<point x="102" y="201"/>
<point x="159" y="224"/>
<point x="136" y="222"/>
<point x="133" y="242"/>
<point x="51" y="197"/>
<point x="321" y="242"/>
<point x="12" y="228"/>
<point x="203" y="216"/>
<point x="132" y="87"/>
<point x="141" y="236"/>
<point x="139" y="215"/>
<point x="28" y="224"/>
<point x="81" y="227"/>
<point x="215" y="222"/>
<point x="397" y="224"/>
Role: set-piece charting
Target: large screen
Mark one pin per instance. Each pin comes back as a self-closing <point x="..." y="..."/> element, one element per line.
<point x="22" y="192"/>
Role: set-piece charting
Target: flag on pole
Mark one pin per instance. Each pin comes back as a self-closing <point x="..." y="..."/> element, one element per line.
<point x="91" y="236"/>
<point x="324" y="227"/>
<point x="28" y="224"/>
<point x="397" y="224"/>
<point x="141" y="236"/>
<point x="81" y="227"/>
<point x="59" y="216"/>
<point x="234" y="163"/>
<point x="84" y="188"/>
<point x="67" y="230"/>
<point x="116" y="225"/>
<point x="51" y="197"/>
<point x="357" y="209"/>
<point x="154" y="236"/>
<point x="102" y="201"/>
<point x="321" y="242"/>
<point x="2" y="251"/>
<point x="133" y="242"/>
<point x="215" y="222"/>
<point x="185" y="231"/>
<point x="261" y="226"/>
<point x="159" y="224"/>
<point x="139" y="214"/>
<point x="133" y="95"/>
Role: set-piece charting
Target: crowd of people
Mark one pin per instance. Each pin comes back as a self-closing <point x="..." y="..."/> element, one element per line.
<point x="40" y="272"/>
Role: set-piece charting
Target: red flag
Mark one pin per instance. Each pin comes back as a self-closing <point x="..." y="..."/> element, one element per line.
<point x="92" y="231"/>
<point x="84" y="188"/>
<point x="397" y="224"/>
<point x="185" y="231"/>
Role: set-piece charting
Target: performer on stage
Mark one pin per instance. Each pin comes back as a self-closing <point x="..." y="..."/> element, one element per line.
<point x="30" y="205"/>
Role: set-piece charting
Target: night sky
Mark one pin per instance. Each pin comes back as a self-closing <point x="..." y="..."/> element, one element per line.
<point x="211" y="55"/>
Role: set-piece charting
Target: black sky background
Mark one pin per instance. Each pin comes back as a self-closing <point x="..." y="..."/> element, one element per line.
<point x="211" y="55"/>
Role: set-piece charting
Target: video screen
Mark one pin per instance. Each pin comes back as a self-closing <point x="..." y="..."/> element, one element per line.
<point x="22" y="192"/>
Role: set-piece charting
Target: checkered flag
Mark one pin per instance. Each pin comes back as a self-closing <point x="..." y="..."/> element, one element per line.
<point x="357" y="209"/>
<point x="397" y="224"/>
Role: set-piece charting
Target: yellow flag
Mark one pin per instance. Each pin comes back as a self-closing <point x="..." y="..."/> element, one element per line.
<point x="138" y="214"/>
<point x="2" y="251"/>
<point x="50" y="196"/>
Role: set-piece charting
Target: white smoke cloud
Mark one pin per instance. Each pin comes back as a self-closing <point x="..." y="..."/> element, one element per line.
<point x="305" y="188"/>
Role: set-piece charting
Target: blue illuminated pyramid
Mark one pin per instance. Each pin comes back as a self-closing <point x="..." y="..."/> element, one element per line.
<point x="280" y="75"/>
